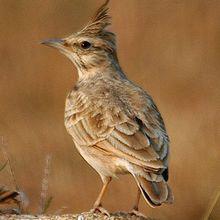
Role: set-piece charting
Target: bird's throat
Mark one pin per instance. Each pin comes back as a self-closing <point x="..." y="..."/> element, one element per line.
<point x="106" y="69"/>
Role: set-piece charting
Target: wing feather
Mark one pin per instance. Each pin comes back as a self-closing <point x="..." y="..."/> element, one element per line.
<point x="111" y="128"/>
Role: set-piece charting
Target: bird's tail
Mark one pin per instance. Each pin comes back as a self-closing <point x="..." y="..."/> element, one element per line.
<point x="154" y="192"/>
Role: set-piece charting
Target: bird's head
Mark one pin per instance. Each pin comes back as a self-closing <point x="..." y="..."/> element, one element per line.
<point x="91" y="48"/>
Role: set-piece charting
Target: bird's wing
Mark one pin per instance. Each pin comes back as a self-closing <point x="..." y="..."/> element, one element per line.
<point x="111" y="129"/>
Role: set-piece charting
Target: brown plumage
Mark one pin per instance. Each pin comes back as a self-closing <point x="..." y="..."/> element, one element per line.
<point x="10" y="201"/>
<point x="114" y="123"/>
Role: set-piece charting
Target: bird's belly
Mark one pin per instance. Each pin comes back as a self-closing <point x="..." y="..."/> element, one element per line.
<point x="105" y="164"/>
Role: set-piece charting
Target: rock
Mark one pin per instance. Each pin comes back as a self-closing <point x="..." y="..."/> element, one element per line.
<point x="82" y="216"/>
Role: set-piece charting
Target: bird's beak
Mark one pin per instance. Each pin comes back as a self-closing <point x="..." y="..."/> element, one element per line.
<point x="55" y="43"/>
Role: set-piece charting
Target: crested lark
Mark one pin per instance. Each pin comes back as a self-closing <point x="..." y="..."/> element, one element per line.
<point x="114" y="124"/>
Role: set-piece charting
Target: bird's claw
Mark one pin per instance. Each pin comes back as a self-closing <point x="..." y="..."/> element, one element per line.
<point x="100" y="209"/>
<point x="136" y="213"/>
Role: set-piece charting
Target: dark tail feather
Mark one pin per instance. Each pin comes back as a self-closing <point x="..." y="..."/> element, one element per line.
<point x="155" y="193"/>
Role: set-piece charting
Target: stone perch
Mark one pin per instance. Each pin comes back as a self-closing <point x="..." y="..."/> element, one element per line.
<point x="82" y="216"/>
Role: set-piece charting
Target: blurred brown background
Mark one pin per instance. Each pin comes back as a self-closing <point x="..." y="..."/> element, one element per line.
<point x="169" y="47"/>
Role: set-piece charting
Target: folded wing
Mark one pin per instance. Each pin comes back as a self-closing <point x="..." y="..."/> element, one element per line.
<point x="112" y="128"/>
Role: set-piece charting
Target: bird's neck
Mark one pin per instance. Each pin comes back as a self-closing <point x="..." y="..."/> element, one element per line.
<point x="108" y="68"/>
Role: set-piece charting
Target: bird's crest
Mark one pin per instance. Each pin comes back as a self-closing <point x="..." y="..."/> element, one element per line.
<point x="99" y="22"/>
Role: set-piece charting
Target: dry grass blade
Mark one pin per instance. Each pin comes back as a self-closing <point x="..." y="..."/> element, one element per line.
<point x="11" y="170"/>
<point x="212" y="204"/>
<point x="44" y="202"/>
<point x="47" y="204"/>
<point x="3" y="166"/>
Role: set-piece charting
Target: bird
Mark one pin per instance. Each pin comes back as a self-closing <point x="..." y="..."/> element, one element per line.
<point x="114" y="123"/>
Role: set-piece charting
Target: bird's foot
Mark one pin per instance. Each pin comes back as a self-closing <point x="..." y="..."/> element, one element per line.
<point x="138" y="214"/>
<point x="100" y="209"/>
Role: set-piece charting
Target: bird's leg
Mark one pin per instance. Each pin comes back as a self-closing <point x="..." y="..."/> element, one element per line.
<point x="97" y="205"/>
<point x="135" y="207"/>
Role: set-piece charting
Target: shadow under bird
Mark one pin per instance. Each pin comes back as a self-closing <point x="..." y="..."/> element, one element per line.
<point x="114" y="124"/>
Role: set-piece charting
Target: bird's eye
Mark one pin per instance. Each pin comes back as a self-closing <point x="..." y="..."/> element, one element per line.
<point x="85" y="45"/>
